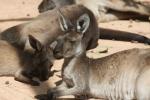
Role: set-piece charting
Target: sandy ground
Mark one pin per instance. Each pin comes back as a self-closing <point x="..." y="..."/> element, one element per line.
<point x="12" y="10"/>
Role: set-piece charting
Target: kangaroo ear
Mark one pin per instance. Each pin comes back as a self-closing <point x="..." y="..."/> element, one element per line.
<point x="35" y="44"/>
<point x="64" y="23"/>
<point x="83" y="23"/>
<point x="53" y="45"/>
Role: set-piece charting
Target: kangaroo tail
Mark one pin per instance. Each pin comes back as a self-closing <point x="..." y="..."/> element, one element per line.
<point x="122" y="36"/>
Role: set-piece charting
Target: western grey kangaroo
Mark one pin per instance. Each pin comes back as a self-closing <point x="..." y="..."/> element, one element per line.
<point x="25" y="66"/>
<point x="46" y="27"/>
<point x="123" y="75"/>
<point x="104" y="10"/>
<point x="107" y="15"/>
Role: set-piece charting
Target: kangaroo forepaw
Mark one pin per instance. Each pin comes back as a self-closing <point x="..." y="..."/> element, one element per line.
<point x="51" y="95"/>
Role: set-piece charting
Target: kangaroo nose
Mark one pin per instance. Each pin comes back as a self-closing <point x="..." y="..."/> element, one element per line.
<point x="51" y="64"/>
<point x="44" y="78"/>
<point x="57" y="54"/>
<point x="56" y="51"/>
<point x="67" y="50"/>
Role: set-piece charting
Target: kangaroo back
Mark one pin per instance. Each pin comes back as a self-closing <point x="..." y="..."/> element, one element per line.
<point x="10" y="60"/>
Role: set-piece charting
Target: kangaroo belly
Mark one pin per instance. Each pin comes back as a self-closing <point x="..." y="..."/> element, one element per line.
<point x="121" y="86"/>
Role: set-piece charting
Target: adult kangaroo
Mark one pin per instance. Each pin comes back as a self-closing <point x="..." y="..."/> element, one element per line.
<point x="46" y="28"/>
<point x="107" y="10"/>
<point x="120" y="76"/>
<point x="104" y="10"/>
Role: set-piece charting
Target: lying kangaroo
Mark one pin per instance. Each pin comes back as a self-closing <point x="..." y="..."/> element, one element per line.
<point x="120" y="76"/>
<point x="104" y="10"/>
<point x="104" y="32"/>
<point x="25" y="66"/>
<point x="46" y="27"/>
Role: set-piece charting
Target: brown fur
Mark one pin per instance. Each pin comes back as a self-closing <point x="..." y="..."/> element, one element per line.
<point x="122" y="75"/>
<point x="26" y="65"/>
<point x="104" y="10"/>
<point x="46" y="28"/>
<point x="132" y="9"/>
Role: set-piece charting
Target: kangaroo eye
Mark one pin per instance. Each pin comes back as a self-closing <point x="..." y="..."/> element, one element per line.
<point x="72" y="42"/>
<point x="35" y="73"/>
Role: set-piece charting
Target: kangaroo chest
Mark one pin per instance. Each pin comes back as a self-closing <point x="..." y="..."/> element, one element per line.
<point x="68" y="72"/>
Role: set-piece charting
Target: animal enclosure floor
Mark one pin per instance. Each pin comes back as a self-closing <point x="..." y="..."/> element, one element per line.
<point x="17" y="9"/>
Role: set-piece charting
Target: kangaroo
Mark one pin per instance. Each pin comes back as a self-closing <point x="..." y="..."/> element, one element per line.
<point x="105" y="33"/>
<point x="120" y="76"/>
<point x="46" y="27"/>
<point x="104" y="10"/>
<point x="25" y="66"/>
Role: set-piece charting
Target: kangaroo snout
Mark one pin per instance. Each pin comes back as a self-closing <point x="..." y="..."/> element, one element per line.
<point x="58" y="52"/>
<point x="45" y="78"/>
<point x="58" y="55"/>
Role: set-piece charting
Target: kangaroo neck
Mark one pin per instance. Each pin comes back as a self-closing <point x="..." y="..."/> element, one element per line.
<point x="26" y="57"/>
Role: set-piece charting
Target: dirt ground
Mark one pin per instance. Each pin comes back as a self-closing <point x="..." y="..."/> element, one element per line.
<point x="13" y="12"/>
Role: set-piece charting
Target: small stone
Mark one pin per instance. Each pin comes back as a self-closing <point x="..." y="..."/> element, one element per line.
<point x="7" y="82"/>
<point x="23" y="2"/>
<point x="103" y="50"/>
<point x="129" y="26"/>
<point x="112" y="24"/>
<point x="28" y="14"/>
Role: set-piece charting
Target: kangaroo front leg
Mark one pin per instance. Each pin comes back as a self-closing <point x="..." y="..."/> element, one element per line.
<point x="49" y="95"/>
<point x="62" y="86"/>
<point x="20" y="77"/>
<point x="51" y="92"/>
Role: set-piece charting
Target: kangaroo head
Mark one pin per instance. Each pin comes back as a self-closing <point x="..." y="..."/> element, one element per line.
<point x="42" y="59"/>
<point x="71" y="43"/>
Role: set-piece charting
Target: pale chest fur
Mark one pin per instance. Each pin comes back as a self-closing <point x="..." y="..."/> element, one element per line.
<point x="69" y="69"/>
